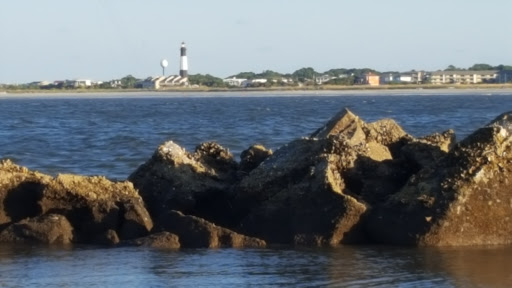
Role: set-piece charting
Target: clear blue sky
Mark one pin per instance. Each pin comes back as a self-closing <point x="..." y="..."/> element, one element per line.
<point x="108" y="39"/>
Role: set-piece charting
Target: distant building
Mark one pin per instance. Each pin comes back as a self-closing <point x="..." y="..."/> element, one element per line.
<point x="115" y="83"/>
<point x="39" y="83"/>
<point x="464" y="77"/>
<point x="504" y="76"/>
<point x="234" y="81"/>
<point x="160" y="82"/>
<point x="415" y="77"/>
<point x="254" y="82"/>
<point x="391" y="77"/>
<point x="323" y="78"/>
<point x="78" y="83"/>
<point x="150" y="83"/>
<point x="371" y="79"/>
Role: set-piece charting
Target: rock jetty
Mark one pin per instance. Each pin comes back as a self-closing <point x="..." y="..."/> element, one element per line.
<point x="349" y="182"/>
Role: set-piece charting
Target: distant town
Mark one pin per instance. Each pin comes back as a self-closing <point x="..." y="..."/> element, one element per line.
<point x="476" y="74"/>
<point x="304" y="77"/>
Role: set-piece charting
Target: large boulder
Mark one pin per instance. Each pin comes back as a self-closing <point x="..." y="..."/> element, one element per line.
<point x="297" y="195"/>
<point x="47" y="229"/>
<point x="376" y="180"/>
<point x="194" y="232"/>
<point x="194" y="183"/>
<point x="379" y="140"/>
<point x="315" y="191"/>
<point x="94" y="206"/>
<point x="20" y="191"/>
<point x="464" y="199"/>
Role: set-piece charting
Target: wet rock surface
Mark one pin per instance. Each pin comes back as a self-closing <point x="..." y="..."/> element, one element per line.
<point x="349" y="182"/>
<point x="47" y="229"/>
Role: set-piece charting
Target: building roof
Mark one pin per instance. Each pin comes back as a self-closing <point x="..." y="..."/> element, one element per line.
<point x="465" y="72"/>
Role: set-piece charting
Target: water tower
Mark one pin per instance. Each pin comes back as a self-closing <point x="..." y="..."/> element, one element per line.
<point x="164" y="64"/>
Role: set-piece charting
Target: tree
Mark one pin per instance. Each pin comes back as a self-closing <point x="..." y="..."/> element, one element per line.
<point x="128" y="81"/>
<point x="244" y="75"/>
<point x="269" y="74"/>
<point x="206" y="80"/>
<point x="337" y="72"/>
<point x="481" y="67"/>
<point x="349" y="80"/>
<point x="502" y="67"/>
<point x="304" y="74"/>
<point x="452" y="68"/>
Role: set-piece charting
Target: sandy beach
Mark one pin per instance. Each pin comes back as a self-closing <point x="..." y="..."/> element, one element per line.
<point x="258" y="93"/>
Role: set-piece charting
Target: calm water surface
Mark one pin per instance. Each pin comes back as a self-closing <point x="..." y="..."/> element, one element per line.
<point x="113" y="134"/>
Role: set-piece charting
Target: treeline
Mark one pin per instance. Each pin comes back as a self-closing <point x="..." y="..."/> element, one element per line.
<point x="303" y="76"/>
<point x="479" y="67"/>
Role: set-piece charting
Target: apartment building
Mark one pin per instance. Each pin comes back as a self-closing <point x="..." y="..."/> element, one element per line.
<point x="464" y="77"/>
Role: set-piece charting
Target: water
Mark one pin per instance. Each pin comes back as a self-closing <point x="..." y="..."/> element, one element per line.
<point x="340" y="267"/>
<point x="112" y="134"/>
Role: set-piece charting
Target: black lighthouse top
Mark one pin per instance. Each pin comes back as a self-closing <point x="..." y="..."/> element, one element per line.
<point x="183" y="49"/>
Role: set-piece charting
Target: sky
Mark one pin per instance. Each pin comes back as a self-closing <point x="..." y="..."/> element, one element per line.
<point x="109" y="39"/>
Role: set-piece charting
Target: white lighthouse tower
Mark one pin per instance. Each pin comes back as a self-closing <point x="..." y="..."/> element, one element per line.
<point x="183" y="61"/>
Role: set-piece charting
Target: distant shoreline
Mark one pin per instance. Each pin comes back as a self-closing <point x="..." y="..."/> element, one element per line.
<point x="277" y="91"/>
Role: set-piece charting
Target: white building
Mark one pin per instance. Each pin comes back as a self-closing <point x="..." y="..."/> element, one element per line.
<point x="79" y="83"/>
<point x="234" y="81"/>
<point x="415" y="77"/>
<point x="159" y="82"/>
<point x="255" y="82"/>
<point x="323" y="78"/>
<point x="464" y="77"/>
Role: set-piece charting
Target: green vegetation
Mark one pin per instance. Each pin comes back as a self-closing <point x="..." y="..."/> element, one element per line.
<point x="128" y="82"/>
<point x="479" y="67"/>
<point x="305" y="78"/>
<point x="304" y="74"/>
<point x="206" y="80"/>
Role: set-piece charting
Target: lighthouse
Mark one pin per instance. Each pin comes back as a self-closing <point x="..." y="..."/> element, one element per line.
<point x="183" y="61"/>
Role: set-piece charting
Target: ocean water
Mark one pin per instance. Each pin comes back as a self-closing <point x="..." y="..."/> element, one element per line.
<point x="112" y="134"/>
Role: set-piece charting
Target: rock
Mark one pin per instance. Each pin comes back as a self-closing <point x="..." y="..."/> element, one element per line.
<point x="429" y="150"/>
<point x="464" y="199"/>
<point x="253" y="157"/>
<point x="297" y="195"/>
<point x="194" y="232"/>
<point x="20" y="191"/>
<point x="93" y="205"/>
<point x="343" y="123"/>
<point x="47" y="229"/>
<point x="217" y="158"/>
<point x="315" y="191"/>
<point x="161" y="240"/>
<point x="376" y="180"/>
<point x="109" y="238"/>
<point x="196" y="184"/>
<point x="376" y="140"/>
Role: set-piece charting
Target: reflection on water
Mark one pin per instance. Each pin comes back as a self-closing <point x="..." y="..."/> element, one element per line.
<point x="352" y="266"/>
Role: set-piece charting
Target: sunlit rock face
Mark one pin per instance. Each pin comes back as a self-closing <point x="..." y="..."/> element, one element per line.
<point x="465" y="199"/>
<point x="193" y="183"/>
<point x="92" y="206"/>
